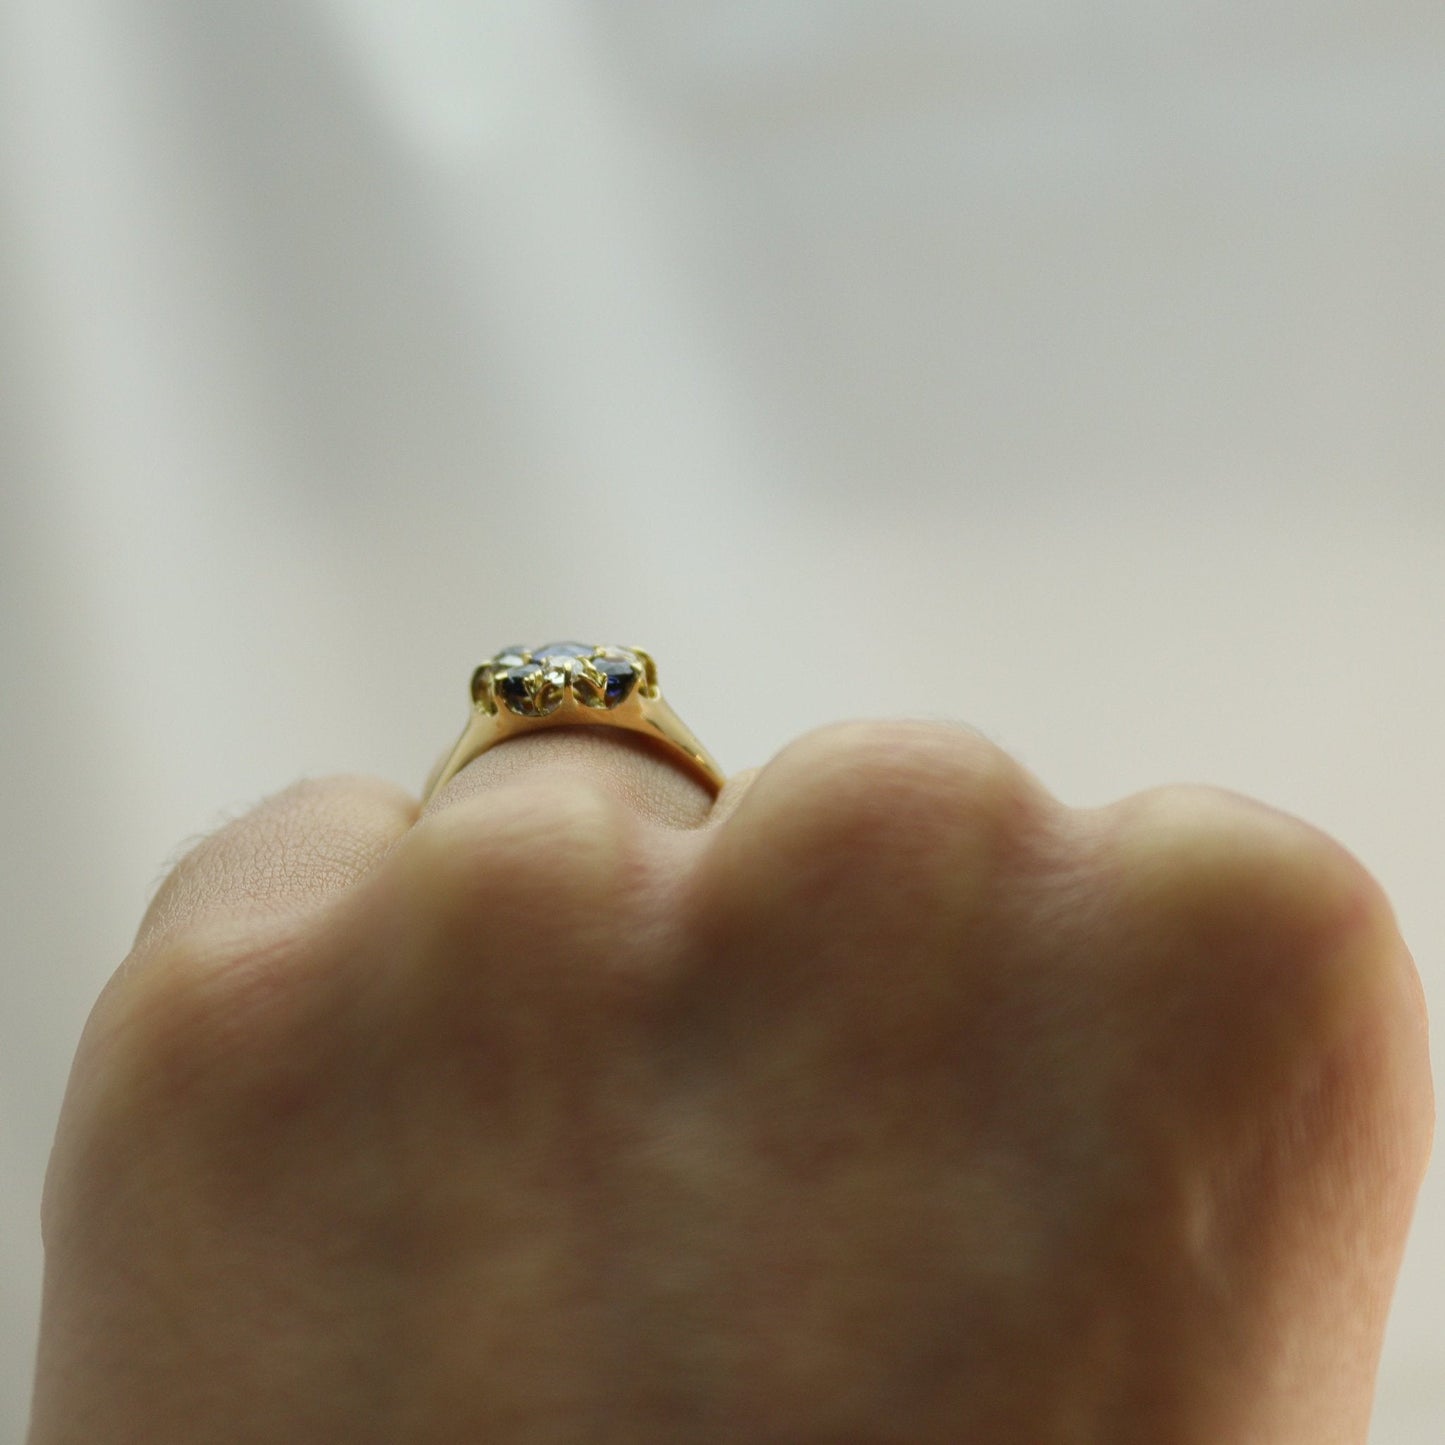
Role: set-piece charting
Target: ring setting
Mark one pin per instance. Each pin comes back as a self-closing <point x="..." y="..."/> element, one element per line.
<point x="520" y="689"/>
<point x="535" y="683"/>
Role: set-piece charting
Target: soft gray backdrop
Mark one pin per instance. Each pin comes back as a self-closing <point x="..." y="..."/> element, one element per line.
<point x="1072" y="367"/>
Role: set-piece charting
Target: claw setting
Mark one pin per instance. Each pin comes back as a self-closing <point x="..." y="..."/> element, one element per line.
<point x="535" y="682"/>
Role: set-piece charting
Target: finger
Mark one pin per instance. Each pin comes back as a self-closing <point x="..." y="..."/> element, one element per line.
<point x="734" y="790"/>
<point x="291" y="853"/>
<point x="646" y="775"/>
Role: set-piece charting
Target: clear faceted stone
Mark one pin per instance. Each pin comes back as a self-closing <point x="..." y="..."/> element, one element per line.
<point x="561" y="649"/>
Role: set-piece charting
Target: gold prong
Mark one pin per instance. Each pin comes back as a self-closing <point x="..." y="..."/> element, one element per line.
<point x="582" y="666"/>
<point x="651" y="668"/>
<point x="482" y="688"/>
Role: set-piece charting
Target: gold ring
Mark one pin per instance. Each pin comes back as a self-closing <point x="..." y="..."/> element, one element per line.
<point x="566" y="684"/>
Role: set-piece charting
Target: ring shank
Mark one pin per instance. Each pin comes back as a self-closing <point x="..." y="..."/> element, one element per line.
<point x="652" y="717"/>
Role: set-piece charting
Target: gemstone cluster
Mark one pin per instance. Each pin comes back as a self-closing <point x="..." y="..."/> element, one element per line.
<point x="535" y="682"/>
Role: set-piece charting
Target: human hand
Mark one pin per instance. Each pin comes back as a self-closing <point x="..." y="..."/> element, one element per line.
<point x="884" y="1100"/>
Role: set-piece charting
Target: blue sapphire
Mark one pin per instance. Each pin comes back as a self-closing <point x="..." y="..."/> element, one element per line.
<point x="604" y="682"/>
<point x="621" y="678"/>
<point x="531" y="690"/>
<point x="512" y="686"/>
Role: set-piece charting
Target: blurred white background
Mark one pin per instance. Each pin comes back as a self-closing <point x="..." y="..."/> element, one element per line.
<point x="1072" y="367"/>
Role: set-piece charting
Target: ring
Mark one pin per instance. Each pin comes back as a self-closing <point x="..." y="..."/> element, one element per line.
<point x="566" y="684"/>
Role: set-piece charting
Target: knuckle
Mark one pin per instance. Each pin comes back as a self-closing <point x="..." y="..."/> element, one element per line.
<point x="332" y="801"/>
<point x="1264" y="914"/>
<point x="1214" y="863"/>
<point x="301" y="842"/>
<point x="918" y="812"/>
<point x="182" y="888"/>
<point x="1253" y="1004"/>
<point x="938" y="783"/>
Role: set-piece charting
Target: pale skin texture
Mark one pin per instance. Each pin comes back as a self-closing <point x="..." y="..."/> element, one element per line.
<point x="885" y="1101"/>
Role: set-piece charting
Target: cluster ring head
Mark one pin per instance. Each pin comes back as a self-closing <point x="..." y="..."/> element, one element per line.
<point x="535" y="682"/>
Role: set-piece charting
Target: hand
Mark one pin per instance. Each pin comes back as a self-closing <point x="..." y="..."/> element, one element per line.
<point x="885" y="1100"/>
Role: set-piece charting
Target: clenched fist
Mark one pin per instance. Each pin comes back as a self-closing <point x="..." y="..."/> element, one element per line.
<point x="884" y="1101"/>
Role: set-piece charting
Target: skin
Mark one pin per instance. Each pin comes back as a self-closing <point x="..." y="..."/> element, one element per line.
<point x="883" y="1101"/>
